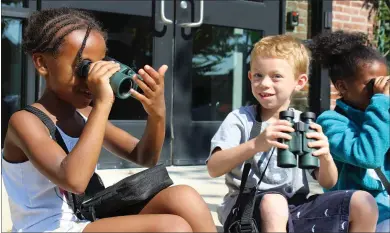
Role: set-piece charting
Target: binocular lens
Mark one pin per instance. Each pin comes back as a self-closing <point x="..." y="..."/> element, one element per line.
<point x="125" y="87"/>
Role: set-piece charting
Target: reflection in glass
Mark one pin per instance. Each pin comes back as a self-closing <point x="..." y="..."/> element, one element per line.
<point x="220" y="64"/>
<point x="11" y="70"/>
<point x="12" y="3"/>
<point x="129" y="42"/>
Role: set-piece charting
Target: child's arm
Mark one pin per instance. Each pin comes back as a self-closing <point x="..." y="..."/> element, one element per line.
<point x="326" y="174"/>
<point x="226" y="156"/>
<point x="145" y="152"/>
<point x="28" y="136"/>
<point x="363" y="146"/>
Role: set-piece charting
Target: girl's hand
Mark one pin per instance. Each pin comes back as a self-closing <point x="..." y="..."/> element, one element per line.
<point x="382" y="85"/>
<point x="153" y="87"/>
<point x="98" y="80"/>
<point x="321" y="142"/>
<point x="269" y="137"/>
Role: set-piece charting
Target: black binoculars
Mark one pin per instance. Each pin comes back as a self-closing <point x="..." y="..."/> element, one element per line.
<point x="121" y="82"/>
<point x="297" y="146"/>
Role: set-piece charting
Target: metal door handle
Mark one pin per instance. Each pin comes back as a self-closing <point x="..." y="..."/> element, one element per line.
<point x="163" y="18"/>
<point x="197" y="24"/>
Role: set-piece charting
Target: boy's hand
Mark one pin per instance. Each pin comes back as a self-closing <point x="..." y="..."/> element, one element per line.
<point x="269" y="137"/>
<point x="152" y="85"/>
<point x="382" y="85"/>
<point x="321" y="142"/>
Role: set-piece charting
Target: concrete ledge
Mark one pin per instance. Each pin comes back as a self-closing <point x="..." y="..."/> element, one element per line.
<point x="211" y="189"/>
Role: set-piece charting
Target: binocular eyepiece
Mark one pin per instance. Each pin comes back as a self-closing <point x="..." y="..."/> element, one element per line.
<point x="297" y="146"/>
<point x="121" y="82"/>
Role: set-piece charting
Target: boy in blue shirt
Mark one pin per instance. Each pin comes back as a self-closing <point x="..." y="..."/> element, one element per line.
<point x="279" y="66"/>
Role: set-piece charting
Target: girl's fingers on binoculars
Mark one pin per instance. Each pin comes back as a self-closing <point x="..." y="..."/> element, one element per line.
<point x="148" y="80"/>
<point x="381" y="84"/>
<point x="162" y="71"/>
<point x="143" y="86"/>
<point x="158" y="76"/>
<point x="141" y="98"/>
<point x="95" y="66"/>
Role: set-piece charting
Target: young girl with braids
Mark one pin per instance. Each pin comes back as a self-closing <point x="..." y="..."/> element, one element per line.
<point x="359" y="132"/>
<point x="35" y="167"/>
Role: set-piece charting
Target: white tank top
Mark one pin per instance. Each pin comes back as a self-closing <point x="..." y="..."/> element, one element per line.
<point x="36" y="204"/>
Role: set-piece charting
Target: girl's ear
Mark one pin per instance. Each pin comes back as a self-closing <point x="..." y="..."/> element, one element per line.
<point x="341" y="86"/>
<point x="301" y="82"/>
<point x="40" y="64"/>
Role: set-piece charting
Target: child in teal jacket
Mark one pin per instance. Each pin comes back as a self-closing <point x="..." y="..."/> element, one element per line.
<point x="359" y="138"/>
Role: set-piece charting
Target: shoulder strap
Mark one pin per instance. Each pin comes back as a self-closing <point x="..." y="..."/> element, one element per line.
<point x="378" y="170"/>
<point x="55" y="135"/>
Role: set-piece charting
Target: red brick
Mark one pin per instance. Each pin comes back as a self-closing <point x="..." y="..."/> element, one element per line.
<point x="357" y="3"/>
<point x="351" y="10"/>
<point x="342" y="2"/>
<point x="337" y="8"/>
<point x="355" y="26"/>
<point x="341" y="17"/>
<point x="358" y="19"/>
<point x="337" y="25"/>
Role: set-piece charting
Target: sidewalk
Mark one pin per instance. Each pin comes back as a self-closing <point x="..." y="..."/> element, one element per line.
<point x="212" y="190"/>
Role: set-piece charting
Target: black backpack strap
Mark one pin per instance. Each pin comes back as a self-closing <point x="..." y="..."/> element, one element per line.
<point x="249" y="205"/>
<point x="378" y="170"/>
<point x="56" y="136"/>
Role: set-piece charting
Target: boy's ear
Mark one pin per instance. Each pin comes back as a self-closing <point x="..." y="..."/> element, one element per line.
<point x="301" y="82"/>
<point x="341" y="86"/>
<point x="250" y="75"/>
<point x="40" y="64"/>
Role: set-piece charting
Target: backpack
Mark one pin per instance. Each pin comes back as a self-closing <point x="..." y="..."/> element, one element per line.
<point x="126" y="197"/>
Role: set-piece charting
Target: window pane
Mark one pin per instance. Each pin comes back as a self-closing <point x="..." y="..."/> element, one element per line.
<point x="11" y="70"/>
<point x="220" y="65"/>
<point x="12" y="3"/>
<point x="129" y="42"/>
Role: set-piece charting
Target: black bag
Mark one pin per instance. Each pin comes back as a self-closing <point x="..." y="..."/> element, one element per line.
<point x="126" y="197"/>
<point x="240" y="218"/>
<point x="378" y="170"/>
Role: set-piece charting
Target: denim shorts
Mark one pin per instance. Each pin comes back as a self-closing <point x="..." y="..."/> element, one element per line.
<point x="328" y="212"/>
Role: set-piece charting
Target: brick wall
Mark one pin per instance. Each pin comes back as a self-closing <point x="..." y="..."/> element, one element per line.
<point x="350" y="16"/>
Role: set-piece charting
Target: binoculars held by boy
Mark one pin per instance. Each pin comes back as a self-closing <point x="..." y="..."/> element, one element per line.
<point x="298" y="151"/>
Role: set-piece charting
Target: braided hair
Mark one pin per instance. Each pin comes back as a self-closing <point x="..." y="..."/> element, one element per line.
<point x="343" y="53"/>
<point x="47" y="29"/>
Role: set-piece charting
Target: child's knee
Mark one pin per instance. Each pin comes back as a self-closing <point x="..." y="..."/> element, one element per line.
<point x="364" y="203"/>
<point x="274" y="203"/>
<point x="175" y="224"/>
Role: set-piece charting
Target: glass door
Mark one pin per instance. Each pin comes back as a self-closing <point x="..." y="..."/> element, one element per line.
<point x="139" y="33"/>
<point x="213" y="41"/>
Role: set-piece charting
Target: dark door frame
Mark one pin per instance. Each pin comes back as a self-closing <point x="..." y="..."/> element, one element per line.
<point x="192" y="138"/>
